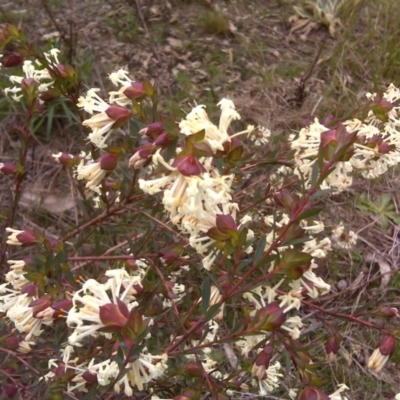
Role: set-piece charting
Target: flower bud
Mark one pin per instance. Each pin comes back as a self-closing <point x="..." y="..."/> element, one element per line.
<point x="61" y="307"/>
<point x="163" y="140"/>
<point x="387" y="312"/>
<point x="153" y="130"/>
<point x="63" y="158"/>
<point x="89" y="378"/>
<point x="142" y="156"/>
<point x="13" y="342"/>
<point x="173" y="255"/>
<point x="13" y="59"/>
<point x="332" y="346"/>
<point x="19" y="238"/>
<point x="188" y="394"/>
<point x="39" y="305"/>
<point x="114" y="315"/>
<point x="188" y="165"/>
<point x="284" y="199"/>
<point x="135" y="91"/>
<point x="50" y="95"/>
<point x="10" y="391"/>
<point x="31" y="290"/>
<point x="7" y="168"/>
<point x="193" y="369"/>
<point x="261" y="362"/>
<point x="271" y="317"/>
<point x="313" y="393"/>
<point x="225" y="223"/>
<point x="381" y="355"/>
<point x="108" y="162"/>
<point x="119" y="114"/>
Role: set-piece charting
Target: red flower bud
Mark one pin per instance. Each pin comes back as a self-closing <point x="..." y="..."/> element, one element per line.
<point x="108" y="162"/>
<point x="135" y="91"/>
<point x="61" y="70"/>
<point x="193" y="369"/>
<point x="387" y="346"/>
<point x="284" y="199"/>
<point x="163" y="140"/>
<point x="10" y="391"/>
<point x="7" y="168"/>
<point x="169" y="257"/>
<point x="49" y="95"/>
<point x="225" y="223"/>
<point x="313" y="393"/>
<point x="262" y="361"/>
<point x="62" y="306"/>
<point x="63" y="158"/>
<point x="188" y="165"/>
<point x="153" y="130"/>
<point x="13" y="342"/>
<point x="271" y="317"/>
<point x="13" y="59"/>
<point x="31" y="290"/>
<point x="39" y="305"/>
<point x="114" y="315"/>
<point x="386" y="105"/>
<point x="332" y="347"/>
<point x="388" y="312"/>
<point x="385" y="148"/>
<point x="119" y="114"/>
<point x="89" y="378"/>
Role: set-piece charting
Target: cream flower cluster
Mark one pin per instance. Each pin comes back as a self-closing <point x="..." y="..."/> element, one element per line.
<point x="376" y="149"/>
<point x="194" y="201"/>
<point x="84" y="317"/>
<point x="90" y="171"/>
<point x="107" y="115"/>
<point x="86" y="321"/>
<point x="197" y="120"/>
<point x="16" y="298"/>
<point x="136" y="374"/>
<point x="261" y="296"/>
<point x="36" y="72"/>
<point x="307" y="146"/>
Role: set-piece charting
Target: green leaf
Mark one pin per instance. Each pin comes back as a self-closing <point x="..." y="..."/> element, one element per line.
<point x="315" y="172"/>
<point x="212" y="311"/>
<point x="311" y="212"/>
<point x="205" y="295"/>
<point x="260" y="249"/>
<point x="321" y="193"/>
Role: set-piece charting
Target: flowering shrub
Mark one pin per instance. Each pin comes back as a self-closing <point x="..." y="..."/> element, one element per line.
<point x="190" y="290"/>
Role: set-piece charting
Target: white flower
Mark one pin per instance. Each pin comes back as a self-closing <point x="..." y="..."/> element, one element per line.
<point x="91" y="172"/>
<point x="16" y="274"/>
<point x="120" y="78"/>
<point x="317" y="249"/>
<point x="16" y="306"/>
<point x="84" y="316"/>
<point x="248" y="343"/>
<point x="271" y="382"/>
<point x="197" y="120"/>
<point x="39" y="75"/>
<point x="337" y="394"/>
<point x="25" y="347"/>
<point x="103" y="122"/>
<point x="343" y="239"/>
<point x="13" y="235"/>
<point x="319" y="286"/>
<point x="146" y="368"/>
<point x="261" y="137"/>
